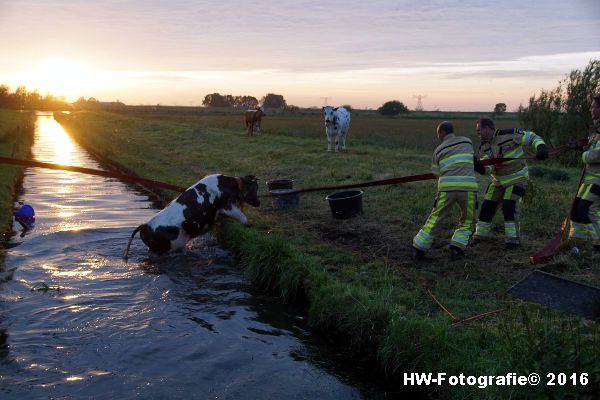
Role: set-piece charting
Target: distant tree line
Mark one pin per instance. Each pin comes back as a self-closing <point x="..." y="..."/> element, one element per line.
<point x="83" y="104"/>
<point x="93" y="104"/>
<point x="269" y="101"/>
<point x="21" y="99"/>
<point x="563" y="113"/>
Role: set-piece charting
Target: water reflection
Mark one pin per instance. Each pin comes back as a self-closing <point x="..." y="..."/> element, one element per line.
<point x="70" y="201"/>
<point x="62" y="150"/>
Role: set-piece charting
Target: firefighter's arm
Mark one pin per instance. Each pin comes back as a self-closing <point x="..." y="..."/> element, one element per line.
<point x="435" y="168"/>
<point x="592" y="155"/>
<point x="435" y="164"/>
<point x="536" y="143"/>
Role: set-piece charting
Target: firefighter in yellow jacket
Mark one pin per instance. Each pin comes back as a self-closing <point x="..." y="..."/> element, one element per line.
<point x="585" y="218"/>
<point x="509" y="179"/>
<point x="453" y="165"/>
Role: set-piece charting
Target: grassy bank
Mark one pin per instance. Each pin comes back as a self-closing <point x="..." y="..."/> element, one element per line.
<point x="356" y="277"/>
<point x="16" y="137"/>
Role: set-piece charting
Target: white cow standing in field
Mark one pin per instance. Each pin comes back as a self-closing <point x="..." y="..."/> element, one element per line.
<point x="337" y="123"/>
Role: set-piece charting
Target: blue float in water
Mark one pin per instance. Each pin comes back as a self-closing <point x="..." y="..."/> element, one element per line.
<point x="25" y="215"/>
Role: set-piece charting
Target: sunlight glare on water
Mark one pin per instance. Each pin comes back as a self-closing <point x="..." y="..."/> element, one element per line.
<point x="63" y="149"/>
<point x="66" y="199"/>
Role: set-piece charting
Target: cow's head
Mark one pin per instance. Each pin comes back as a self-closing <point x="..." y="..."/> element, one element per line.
<point x="329" y="113"/>
<point x="261" y="110"/>
<point x="249" y="191"/>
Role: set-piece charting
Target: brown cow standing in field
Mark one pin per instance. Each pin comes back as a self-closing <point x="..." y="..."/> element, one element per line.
<point x="252" y="118"/>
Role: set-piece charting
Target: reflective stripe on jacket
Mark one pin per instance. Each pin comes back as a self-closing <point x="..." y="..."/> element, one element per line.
<point x="453" y="164"/>
<point x="509" y="143"/>
<point x="591" y="158"/>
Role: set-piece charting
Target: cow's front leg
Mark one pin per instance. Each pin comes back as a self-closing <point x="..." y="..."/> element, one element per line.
<point x="344" y="142"/>
<point x="234" y="212"/>
<point x="337" y="144"/>
<point x="328" y="143"/>
<point x="258" y="129"/>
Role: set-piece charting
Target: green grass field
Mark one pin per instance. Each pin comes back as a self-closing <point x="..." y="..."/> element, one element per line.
<point x="356" y="277"/>
<point x="16" y="136"/>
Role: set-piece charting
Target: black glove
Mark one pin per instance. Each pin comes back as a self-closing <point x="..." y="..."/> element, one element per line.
<point x="478" y="166"/>
<point x="542" y="152"/>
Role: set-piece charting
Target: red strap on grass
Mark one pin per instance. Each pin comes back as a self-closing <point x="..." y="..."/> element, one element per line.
<point x="390" y="181"/>
<point x="549" y="250"/>
<point x="90" y="171"/>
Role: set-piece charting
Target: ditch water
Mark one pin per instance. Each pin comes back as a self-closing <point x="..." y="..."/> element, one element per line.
<point x="181" y="326"/>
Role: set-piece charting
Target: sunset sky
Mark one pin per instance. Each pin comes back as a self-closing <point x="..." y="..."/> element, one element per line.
<point x="462" y="55"/>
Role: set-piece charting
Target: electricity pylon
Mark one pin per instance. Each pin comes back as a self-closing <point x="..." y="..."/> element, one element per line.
<point x="419" y="102"/>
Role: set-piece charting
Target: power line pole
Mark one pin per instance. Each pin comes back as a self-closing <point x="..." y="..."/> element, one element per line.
<point x="325" y="100"/>
<point x="419" y="102"/>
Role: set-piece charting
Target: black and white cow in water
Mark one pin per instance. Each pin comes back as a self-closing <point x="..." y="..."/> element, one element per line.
<point x="337" y="124"/>
<point x="195" y="210"/>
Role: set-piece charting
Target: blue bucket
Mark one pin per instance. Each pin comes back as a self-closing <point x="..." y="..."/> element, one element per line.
<point x="25" y="215"/>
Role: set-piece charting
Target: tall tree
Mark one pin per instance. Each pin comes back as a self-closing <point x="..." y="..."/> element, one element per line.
<point x="499" y="109"/>
<point x="273" y="101"/>
<point x="245" y="101"/>
<point x="19" y="98"/>
<point x="4" y="96"/>
<point x="33" y="100"/>
<point x="393" y="107"/>
<point x="217" y="100"/>
<point x="562" y="114"/>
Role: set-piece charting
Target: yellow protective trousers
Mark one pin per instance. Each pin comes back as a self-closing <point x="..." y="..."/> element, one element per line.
<point x="442" y="207"/>
<point x="507" y="196"/>
<point x="585" y="214"/>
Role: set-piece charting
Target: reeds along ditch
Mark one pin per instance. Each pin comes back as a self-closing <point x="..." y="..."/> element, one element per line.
<point x="16" y="138"/>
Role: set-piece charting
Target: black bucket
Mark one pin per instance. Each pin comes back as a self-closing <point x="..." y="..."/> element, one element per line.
<point x="276" y="184"/>
<point x="345" y="204"/>
<point x="282" y="198"/>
